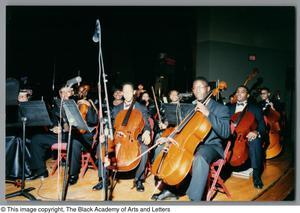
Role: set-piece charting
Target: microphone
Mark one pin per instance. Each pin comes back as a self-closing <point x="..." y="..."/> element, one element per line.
<point x="73" y="81"/>
<point x="97" y="35"/>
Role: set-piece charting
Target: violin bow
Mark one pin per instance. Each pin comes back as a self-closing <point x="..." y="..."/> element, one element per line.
<point x="156" y="105"/>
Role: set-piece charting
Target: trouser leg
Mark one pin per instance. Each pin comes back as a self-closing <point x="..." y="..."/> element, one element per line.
<point x="200" y="169"/>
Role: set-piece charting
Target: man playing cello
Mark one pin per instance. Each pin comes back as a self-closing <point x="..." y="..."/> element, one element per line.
<point x="210" y="149"/>
<point x="255" y="136"/>
<point x="144" y="138"/>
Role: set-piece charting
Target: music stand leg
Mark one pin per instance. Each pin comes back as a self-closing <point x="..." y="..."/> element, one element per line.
<point x="23" y="192"/>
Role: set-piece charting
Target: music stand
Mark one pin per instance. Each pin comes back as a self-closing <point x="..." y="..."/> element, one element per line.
<point x="75" y="119"/>
<point x="172" y="112"/>
<point x="33" y="113"/>
<point x="12" y="91"/>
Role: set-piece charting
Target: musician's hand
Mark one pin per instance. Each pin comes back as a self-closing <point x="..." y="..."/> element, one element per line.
<point x="252" y="135"/>
<point x="161" y="140"/>
<point x="106" y="162"/>
<point x="162" y="125"/>
<point x="56" y="130"/>
<point x="82" y="101"/>
<point x="120" y="134"/>
<point x="202" y="108"/>
<point x="66" y="127"/>
<point x="146" y="137"/>
<point x="102" y="138"/>
<point x="272" y="106"/>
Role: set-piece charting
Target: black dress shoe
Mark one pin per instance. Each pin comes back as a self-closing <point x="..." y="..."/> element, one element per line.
<point x="139" y="186"/>
<point x="36" y="175"/>
<point x="164" y="195"/>
<point x="257" y="183"/>
<point x="73" y="179"/>
<point x="99" y="185"/>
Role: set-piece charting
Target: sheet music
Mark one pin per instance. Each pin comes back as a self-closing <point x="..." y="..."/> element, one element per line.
<point x="74" y="116"/>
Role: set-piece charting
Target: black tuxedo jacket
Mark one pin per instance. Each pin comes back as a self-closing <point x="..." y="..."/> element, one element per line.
<point x="137" y="106"/>
<point x="258" y="114"/>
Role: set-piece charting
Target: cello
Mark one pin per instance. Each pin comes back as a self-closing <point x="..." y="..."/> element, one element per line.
<point x="175" y="161"/>
<point x="128" y="125"/>
<point x="241" y="124"/>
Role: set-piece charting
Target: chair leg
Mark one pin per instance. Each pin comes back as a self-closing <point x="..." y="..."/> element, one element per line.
<point x="85" y="160"/>
<point x="216" y="179"/>
<point x="209" y="188"/>
<point x="54" y="167"/>
<point x="93" y="164"/>
<point x="224" y="188"/>
<point x="84" y="166"/>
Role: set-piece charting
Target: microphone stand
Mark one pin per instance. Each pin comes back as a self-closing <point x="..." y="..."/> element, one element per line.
<point x="105" y="172"/>
<point x="97" y="39"/>
<point x="67" y="167"/>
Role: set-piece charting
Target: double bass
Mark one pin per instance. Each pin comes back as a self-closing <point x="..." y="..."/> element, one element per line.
<point x="251" y="75"/>
<point x="175" y="161"/>
<point x="272" y="119"/>
<point x="129" y="123"/>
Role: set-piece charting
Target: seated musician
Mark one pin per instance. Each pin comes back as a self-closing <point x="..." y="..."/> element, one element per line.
<point x="41" y="143"/>
<point x="265" y="96"/>
<point x="144" y="138"/>
<point x="147" y="101"/>
<point x="24" y="95"/>
<point x="231" y="100"/>
<point x="82" y="140"/>
<point x="140" y="90"/>
<point x="174" y="99"/>
<point x="254" y="137"/>
<point x="209" y="150"/>
<point x="118" y="97"/>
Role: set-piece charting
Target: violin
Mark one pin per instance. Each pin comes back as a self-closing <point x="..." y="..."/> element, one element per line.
<point x="83" y="107"/>
<point x="175" y="161"/>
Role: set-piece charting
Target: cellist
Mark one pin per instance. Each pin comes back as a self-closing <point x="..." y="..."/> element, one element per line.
<point x="254" y="137"/>
<point x="266" y="100"/>
<point x="210" y="149"/>
<point x="144" y="138"/>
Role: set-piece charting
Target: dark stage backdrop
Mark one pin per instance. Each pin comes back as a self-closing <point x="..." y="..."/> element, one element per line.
<point x="40" y="40"/>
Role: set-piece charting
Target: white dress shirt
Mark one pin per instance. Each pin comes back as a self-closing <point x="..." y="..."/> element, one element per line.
<point x="240" y="106"/>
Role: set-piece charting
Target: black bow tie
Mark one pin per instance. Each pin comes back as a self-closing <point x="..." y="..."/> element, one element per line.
<point x="240" y="104"/>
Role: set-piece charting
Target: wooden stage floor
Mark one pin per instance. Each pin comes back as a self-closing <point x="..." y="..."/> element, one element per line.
<point x="278" y="178"/>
